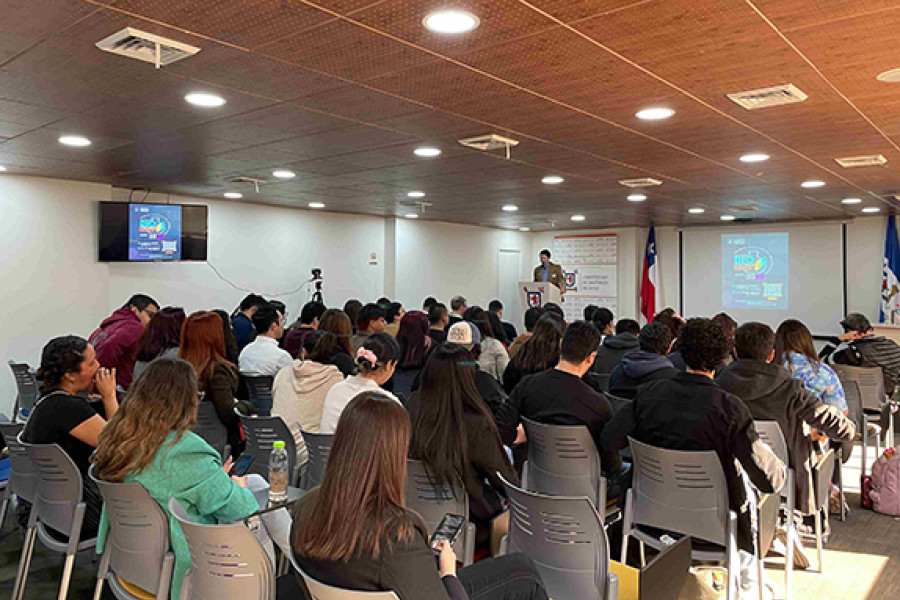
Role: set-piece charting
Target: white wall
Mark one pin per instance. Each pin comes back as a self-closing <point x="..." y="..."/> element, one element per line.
<point x="865" y="252"/>
<point x="446" y="259"/>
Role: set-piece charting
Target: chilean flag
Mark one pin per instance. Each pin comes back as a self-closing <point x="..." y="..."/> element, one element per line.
<point x="650" y="280"/>
<point x="890" y="271"/>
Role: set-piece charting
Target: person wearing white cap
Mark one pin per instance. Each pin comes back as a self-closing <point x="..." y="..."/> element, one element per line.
<point x="466" y="334"/>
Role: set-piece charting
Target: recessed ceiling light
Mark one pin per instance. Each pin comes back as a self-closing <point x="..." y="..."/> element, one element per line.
<point x="316" y="205"/>
<point x="450" y="21"/>
<point x="233" y="195"/>
<point x="416" y="194"/>
<point x="524" y="228"/>
<point x="637" y="198"/>
<point x="871" y="209"/>
<point x="889" y="76"/>
<point x="74" y="140"/>
<point x="412" y="216"/>
<point x="282" y="174"/>
<point x="813" y="183"/>
<point x="754" y="157"/>
<point x="654" y="114"/>
<point x="205" y="100"/>
<point x="510" y="208"/>
<point x="552" y="179"/>
<point x="2" y="168"/>
<point x="851" y="201"/>
<point x="578" y="217"/>
<point x="696" y="211"/>
<point x="427" y="152"/>
<point x="727" y="218"/>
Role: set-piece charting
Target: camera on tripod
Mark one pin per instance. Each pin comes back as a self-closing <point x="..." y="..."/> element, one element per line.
<point x="317" y="280"/>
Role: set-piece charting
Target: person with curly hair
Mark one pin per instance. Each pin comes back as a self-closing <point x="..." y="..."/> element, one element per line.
<point x="65" y="416"/>
<point x="690" y="412"/>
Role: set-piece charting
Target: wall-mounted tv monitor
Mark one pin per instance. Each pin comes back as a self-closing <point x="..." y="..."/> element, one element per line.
<point x="152" y="232"/>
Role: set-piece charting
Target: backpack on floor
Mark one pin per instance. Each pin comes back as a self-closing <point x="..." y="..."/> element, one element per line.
<point x="885" y="492"/>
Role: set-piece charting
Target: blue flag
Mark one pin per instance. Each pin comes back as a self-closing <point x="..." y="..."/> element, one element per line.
<point x="890" y="285"/>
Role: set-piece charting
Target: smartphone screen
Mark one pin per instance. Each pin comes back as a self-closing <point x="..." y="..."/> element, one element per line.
<point x="241" y="465"/>
<point x="448" y="529"/>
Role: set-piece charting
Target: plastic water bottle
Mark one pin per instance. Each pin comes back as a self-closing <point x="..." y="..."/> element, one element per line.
<point x="278" y="473"/>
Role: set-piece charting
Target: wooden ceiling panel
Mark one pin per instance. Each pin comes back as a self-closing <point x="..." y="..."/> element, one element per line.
<point x="799" y="14"/>
<point x="19" y="30"/>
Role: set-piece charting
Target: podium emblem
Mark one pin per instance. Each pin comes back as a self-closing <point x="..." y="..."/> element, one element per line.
<point x="534" y="299"/>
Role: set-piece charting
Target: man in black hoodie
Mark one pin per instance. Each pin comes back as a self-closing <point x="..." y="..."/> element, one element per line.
<point x="614" y="347"/>
<point x="772" y="394"/>
<point x="649" y="363"/>
<point x="860" y="347"/>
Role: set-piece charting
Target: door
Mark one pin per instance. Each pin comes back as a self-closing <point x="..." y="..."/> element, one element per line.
<point x="509" y="274"/>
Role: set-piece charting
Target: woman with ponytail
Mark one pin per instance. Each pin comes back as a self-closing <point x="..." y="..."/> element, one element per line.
<point x="376" y="361"/>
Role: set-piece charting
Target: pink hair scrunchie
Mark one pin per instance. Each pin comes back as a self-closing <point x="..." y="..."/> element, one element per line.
<point x="368" y="355"/>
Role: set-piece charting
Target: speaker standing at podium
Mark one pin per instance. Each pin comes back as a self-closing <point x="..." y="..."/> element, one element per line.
<point x="550" y="272"/>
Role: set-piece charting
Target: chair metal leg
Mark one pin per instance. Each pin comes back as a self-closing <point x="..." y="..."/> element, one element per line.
<point x="3" y="508"/>
<point x="98" y="590"/>
<point x="66" y="577"/>
<point x="819" y="540"/>
<point x="24" y="563"/>
<point x="643" y="554"/>
<point x="626" y="527"/>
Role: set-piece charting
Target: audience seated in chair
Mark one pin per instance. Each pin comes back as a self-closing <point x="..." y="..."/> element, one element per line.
<point x="539" y="353"/>
<point x="241" y="322"/>
<point x="860" y="347"/>
<point x="616" y="346"/>
<point x="262" y="357"/>
<point x="454" y="434"/>
<point x="376" y="360"/>
<point x="354" y="531"/>
<point x="494" y="357"/>
<point x="150" y="442"/>
<point x="292" y="341"/>
<point x="771" y="394"/>
<point x="162" y="337"/>
<point x="531" y="318"/>
<point x="509" y="330"/>
<point x="438" y="320"/>
<point x="458" y="306"/>
<point x="648" y="363"/>
<point x="298" y="393"/>
<point x="336" y="350"/>
<point x="116" y="340"/>
<point x="370" y="320"/>
<point x="415" y="345"/>
<point x="64" y="416"/>
<point x="203" y="346"/>
<point x="393" y="313"/>
<point x="690" y="412"/>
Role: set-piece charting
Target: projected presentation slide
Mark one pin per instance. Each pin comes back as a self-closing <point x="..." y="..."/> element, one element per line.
<point x="755" y="270"/>
<point x="154" y="232"/>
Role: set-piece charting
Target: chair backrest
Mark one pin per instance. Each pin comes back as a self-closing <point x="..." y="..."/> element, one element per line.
<point x="823" y="471"/>
<point x="59" y="483"/>
<point x="564" y="536"/>
<point x="26" y="385"/>
<point x="770" y="433"/>
<point x="870" y="381"/>
<point x="259" y="389"/>
<point x="261" y="432"/>
<point x="138" y="537"/>
<point x="210" y="427"/>
<point x="318" y="447"/>
<point x="563" y="461"/>
<point x="226" y="561"/>
<point x="323" y="591"/>
<point x="432" y="502"/>
<point x="854" y="405"/>
<point x="681" y="491"/>
<point x="22" y="480"/>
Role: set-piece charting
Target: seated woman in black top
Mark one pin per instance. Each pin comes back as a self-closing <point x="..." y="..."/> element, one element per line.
<point x="65" y="416"/>
<point x="339" y="352"/>
<point x="539" y="353"/>
<point x="454" y="435"/>
<point x="354" y="530"/>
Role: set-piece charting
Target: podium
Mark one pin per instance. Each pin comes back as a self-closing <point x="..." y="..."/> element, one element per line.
<point x="538" y="293"/>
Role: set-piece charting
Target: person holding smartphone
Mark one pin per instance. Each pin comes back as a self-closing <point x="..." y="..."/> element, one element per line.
<point x="355" y="532"/>
<point x="68" y="416"/>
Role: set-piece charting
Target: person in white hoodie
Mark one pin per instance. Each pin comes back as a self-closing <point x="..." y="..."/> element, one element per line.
<point x="298" y="393"/>
<point x="376" y="359"/>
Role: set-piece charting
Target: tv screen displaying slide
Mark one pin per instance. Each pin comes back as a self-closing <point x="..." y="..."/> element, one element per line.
<point x="152" y="232"/>
<point x="755" y="270"/>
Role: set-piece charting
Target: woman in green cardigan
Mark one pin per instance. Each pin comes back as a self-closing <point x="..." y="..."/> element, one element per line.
<point x="149" y="441"/>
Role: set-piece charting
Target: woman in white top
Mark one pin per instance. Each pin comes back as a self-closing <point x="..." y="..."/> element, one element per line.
<point x="494" y="357"/>
<point x="376" y="359"/>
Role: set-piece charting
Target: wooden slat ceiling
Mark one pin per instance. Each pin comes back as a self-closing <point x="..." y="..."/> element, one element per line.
<point x="342" y="91"/>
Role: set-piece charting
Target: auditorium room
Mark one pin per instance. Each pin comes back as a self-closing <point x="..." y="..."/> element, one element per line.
<point x="449" y="299"/>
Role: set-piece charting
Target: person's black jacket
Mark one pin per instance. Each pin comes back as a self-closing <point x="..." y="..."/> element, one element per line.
<point x="637" y="368"/>
<point x="870" y="351"/>
<point x="490" y="390"/>
<point x="611" y="351"/>
<point x="408" y="569"/>
<point x="486" y="459"/>
<point x="772" y="394"/>
<point x="512" y="375"/>
<point x="690" y="412"/>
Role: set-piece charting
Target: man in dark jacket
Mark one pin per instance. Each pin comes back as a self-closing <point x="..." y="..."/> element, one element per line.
<point x="292" y="340"/>
<point x="649" y="363"/>
<point x="116" y="340"/>
<point x="772" y="394"/>
<point x="690" y="412"/>
<point x="860" y="347"/>
<point x="616" y="346"/>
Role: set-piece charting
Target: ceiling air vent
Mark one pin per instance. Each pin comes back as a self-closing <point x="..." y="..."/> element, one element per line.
<point x="776" y="95"/>
<point x="746" y="208"/>
<point x="492" y="141"/>
<point x="146" y="47"/>
<point x="642" y="182"/>
<point x="861" y="161"/>
<point x="245" y="179"/>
